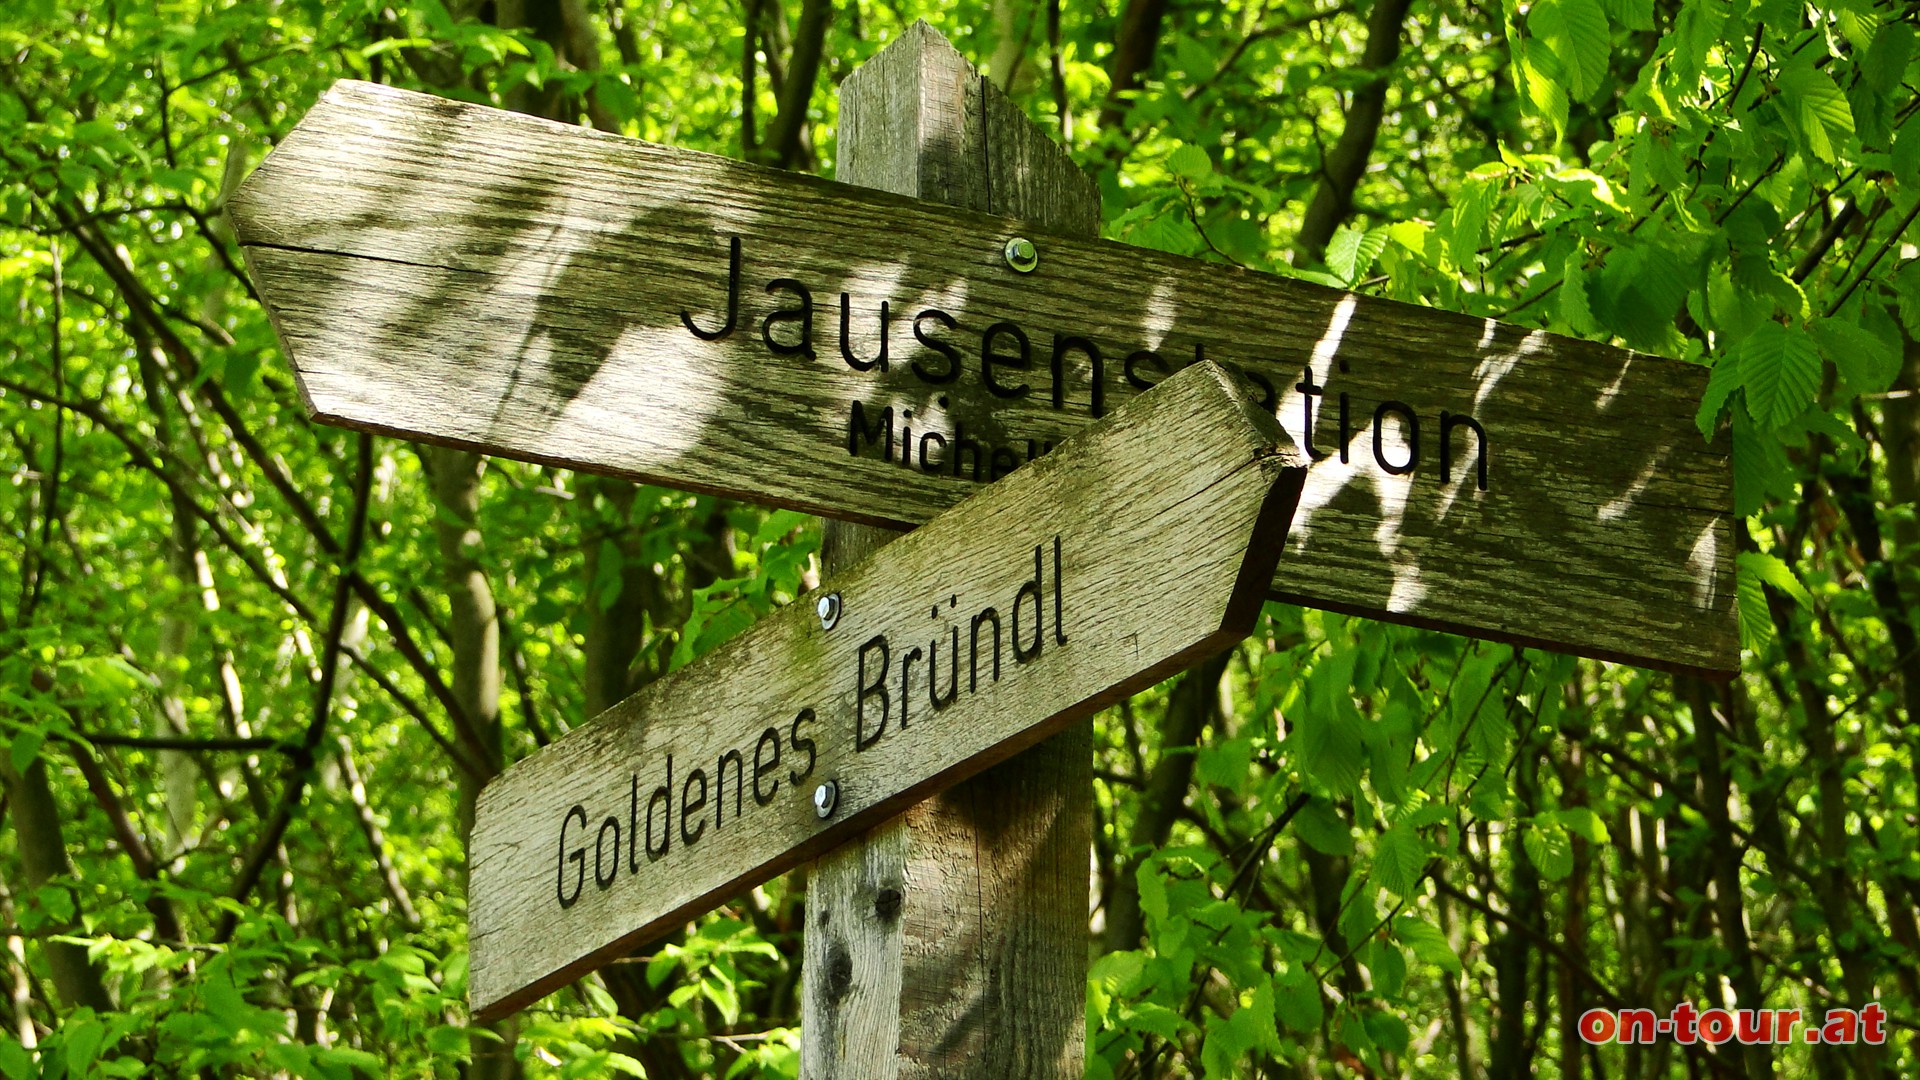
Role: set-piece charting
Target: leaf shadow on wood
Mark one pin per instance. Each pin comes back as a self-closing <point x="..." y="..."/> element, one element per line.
<point x="521" y="292"/>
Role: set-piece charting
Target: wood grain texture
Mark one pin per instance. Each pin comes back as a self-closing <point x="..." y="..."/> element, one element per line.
<point x="474" y="277"/>
<point x="1109" y="565"/>
<point x="952" y="942"/>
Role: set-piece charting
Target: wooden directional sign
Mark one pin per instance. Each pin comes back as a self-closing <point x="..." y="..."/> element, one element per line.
<point x="1086" y="577"/>
<point x="479" y="278"/>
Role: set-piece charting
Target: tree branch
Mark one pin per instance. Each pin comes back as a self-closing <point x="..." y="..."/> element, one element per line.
<point x="301" y="769"/>
<point x="796" y="90"/>
<point x="153" y="460"/>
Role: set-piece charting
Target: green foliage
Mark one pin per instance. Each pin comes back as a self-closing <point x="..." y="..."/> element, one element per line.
<point x="1400" y="852"/>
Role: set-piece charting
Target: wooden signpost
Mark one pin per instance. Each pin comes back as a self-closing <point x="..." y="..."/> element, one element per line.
<point x="463" y="275"/>
<point x="1086" y="577"/>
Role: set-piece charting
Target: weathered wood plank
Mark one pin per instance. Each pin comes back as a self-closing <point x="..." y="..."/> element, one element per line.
<point x="484" y="279"/>
<point x="952" y="942"/>
<point x="1107" y="565"/>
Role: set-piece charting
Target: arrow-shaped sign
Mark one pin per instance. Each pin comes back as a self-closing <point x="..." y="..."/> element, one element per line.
<point x="1090" y="575"/>
<point x="484" y="279"/>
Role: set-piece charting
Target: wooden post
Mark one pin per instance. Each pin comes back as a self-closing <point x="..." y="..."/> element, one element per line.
<point x="952" y="941"/>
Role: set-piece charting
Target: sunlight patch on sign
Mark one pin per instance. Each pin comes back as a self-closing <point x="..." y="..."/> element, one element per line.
<point x="1160" y="311"/>
<point x="1612" y="390"/>
<point x="1702" y="562"/>
<point x="1329" y="343"/>
<point x="1616" y="508"/>
<point x="677" y="412"/>
<point x="1499" y="365"/>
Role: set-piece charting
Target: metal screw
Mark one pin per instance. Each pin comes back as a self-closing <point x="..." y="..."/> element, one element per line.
<point x="1022" y="255"/>
<point x="828" y="608"/>
<point x="826" y="798"/>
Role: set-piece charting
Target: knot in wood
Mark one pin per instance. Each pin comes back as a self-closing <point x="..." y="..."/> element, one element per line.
<point x="886" y="904"/>
<point x="839" y="972"/>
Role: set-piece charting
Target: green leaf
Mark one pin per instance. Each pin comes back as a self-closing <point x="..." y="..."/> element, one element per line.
<point x="1643" y="286"/>
<point x="83" y="1038"/>
<point x="1770" y="570"/>
<point x="1153" y="891"/>
<point x="1583" y="823"/>
<point x="1343" y="251"/>
<point x="1296" y="998"/>
<point x="1118" y="972"/>
<point x="1351" y="252"/>
<point x="15" y="1062"/>
<point x="1906" y="286"/>
<point x="371" y="1064"/>
<point x="1867" y="363"/>
<point x="1815" y="108"/>
<point x="1327" y="732"/>
<point x="1576" y="31"/>
<point x="1549" y="849"/>
<point x="1906" y="154"/>
<point x="1490" y="797"/>
<point x="1190" y="162"/>
<point x="387" y="45"/>
<point x="1576" y="310"/>
<point x="1352" y="1033"/>
<point x="1631" y="14"/>
<point x="1698" y="32"/>
<point x="1760" y="468"/>
<point x="1321" y="827"/>
<point x="1467" y="221"/>
<point x="1724" y="380"/>
<point x="26" y="747"/>
<point x="1856" y="26"/>
<point x="1250" y="1027"/>
<point x="1399" y="858"/>
<point x="1225" y="764"/>
<point x="1151" y="1016"/>
<point x="1426" y="942"/>
<point x="1756" y="622"/>
<point x="1390" y="752"/>
<point x="1168" y="231"/>
<point x="1885" y="64"/>
<point x="613" y="90"/>
<point x="1387" y="1030"/>
<point x="1781" y="371"/>
<point x="1389" y="966"/>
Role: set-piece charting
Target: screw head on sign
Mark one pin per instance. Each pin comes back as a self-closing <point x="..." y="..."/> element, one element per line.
<point x="828" y="608"/>
<point x="826" y="798"/>
<point x="1022" y="255"/>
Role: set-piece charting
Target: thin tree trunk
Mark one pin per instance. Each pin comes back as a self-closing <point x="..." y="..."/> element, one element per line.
<point x="1009" y="47"/>
<point x="1900" y="431"/>
<point x="1133" y="50"/>
<point x="1574" y="898"/>
<point x="19" y="975"/>
<point x="1513" y="953"/>
<point x="782" y="148"/>
<point x="474" y="630"/>
<point x="376" y="838"/>
<point x="43" y="855"/>
<point x="1831" y="884"/>
<point x="750" y="80"/>
<point x="1341" y="171"/>
<point x="1327" y="880"/>
<point x="1461" y="1035"/>
<point x="1723" y="851"/>
<point x="180" y="775"/>
<point x="1194" y="704"/>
